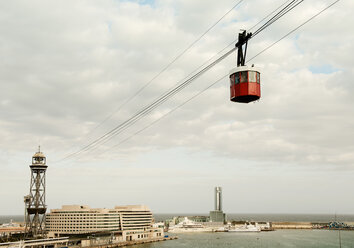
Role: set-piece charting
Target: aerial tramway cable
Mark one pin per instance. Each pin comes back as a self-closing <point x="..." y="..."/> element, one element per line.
<point x="107" y="136"/>
<point x="281" y="13"/>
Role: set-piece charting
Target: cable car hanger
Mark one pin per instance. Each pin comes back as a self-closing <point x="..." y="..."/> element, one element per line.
<point x="244" y="81"/>
<point x="242" y="40"/>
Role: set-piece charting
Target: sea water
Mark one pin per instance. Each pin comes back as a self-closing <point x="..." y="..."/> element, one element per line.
<point x="279" y="238"/>
<point x="325" y="218"/>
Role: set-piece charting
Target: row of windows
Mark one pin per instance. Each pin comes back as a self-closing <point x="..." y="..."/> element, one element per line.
<point x="136" y="223"/>
<point x="97" y="225"/>
<point x="79" y="225"/>
<point x="244" y="77"/>
<point x="140" y="236"/>
<point x="81" y="228"/>
<point x="80" y="218"/>
<point x="85" y="215"/>
<point x="137" y="217"/>
<point x="83" y="220"/>
<point x="99" y="215"/>
<point x="75" y="212"/>
<point x="135" y="213"/>
<point x="96" y="219"/>
<point x="77" y="231"/>
<point x="98" y="212"/>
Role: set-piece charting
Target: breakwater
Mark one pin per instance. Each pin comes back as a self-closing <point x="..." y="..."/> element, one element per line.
<point x="310" y="225"/>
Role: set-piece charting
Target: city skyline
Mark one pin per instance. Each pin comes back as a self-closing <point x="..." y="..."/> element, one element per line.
<point x="69" y="66"/>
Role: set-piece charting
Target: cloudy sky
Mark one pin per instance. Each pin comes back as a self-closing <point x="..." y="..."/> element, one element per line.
<point x="68" y="67"/>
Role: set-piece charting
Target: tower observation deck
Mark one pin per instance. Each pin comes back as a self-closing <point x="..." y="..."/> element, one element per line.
<point x="35" y="206"/>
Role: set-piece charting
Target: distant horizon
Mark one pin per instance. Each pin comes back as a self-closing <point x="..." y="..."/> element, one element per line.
<point x="270" y="217"/>
<point x="202" y="213"/>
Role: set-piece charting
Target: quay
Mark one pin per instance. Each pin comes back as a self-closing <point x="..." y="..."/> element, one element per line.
<point x="54" y="242"/>
<point x="128" y="243"/>
<point x="65" y="242"/>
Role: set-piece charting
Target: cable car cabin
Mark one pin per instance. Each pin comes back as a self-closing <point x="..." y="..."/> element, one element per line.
<point x="244" y="84"/>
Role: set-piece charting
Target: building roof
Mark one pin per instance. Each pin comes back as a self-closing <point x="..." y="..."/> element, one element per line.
<point x="38" y="155"/>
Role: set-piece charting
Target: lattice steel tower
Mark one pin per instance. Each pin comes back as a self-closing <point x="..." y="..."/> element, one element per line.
<point x="36" y="207"/>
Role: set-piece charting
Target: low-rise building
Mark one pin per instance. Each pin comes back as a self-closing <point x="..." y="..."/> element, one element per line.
<point x="217" y="216"/>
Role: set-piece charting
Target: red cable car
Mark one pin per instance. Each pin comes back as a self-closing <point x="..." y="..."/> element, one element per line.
<point x="244" y="84"/>
<point x="244" y="81"/>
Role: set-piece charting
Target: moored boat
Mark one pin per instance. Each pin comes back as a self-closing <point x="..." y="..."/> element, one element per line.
<point x="246" y="228"/>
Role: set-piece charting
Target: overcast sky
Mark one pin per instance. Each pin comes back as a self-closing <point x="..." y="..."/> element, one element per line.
<point x="68" y="65"/>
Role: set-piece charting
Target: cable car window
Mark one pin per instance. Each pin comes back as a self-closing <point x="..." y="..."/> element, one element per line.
<point x="252" y="76"/>
<point x="244" y="77"/>
<point x="232" y="79"/>
<point x="258" y="77"/>
<point x="237" y="78"/>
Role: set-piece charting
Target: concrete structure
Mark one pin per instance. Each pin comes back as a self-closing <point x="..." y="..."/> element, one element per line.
<point x="35" y="201"/>
<point x="9" y="231"/>
<point x="126" y="223"/>
<point x="56" y="242"/>
<point x="292" y="225"/>
<point x="218" y="215"/>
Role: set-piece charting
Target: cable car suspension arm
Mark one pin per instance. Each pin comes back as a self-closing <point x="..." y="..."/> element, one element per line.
<point x="242" y="40"/>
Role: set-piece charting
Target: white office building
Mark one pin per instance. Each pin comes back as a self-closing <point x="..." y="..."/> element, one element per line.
<point x="132" y="222"/>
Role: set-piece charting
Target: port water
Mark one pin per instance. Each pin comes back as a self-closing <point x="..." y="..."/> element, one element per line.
<point x="270" y="217"/>
<point x="279" y="238"/>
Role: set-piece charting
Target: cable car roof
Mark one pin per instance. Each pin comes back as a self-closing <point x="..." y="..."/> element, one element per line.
<point x="244" y="68"/>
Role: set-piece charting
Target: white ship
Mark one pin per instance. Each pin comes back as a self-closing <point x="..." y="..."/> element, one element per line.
<point x="188" y="226"/>
<point x="11" y="224"/>
<point x="246" y="228"/>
